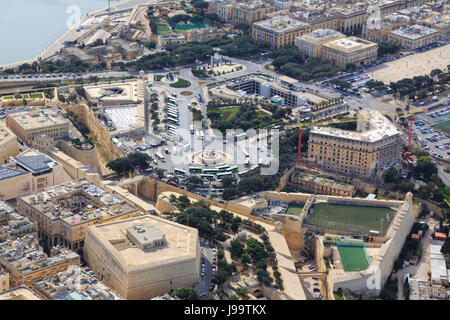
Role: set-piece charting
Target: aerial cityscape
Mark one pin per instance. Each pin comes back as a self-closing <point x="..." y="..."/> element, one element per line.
<point x="227" y="150"/>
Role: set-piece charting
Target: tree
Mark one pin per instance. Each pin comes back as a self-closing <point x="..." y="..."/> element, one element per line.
<point x="245" y="258"/>
<point x="435" y="72"/>
<point x="264" y="277"/>
<point x="220" y="277"/>
<point x="236" y="249"/>
<point x="425" y="167"/>
<point x="242" y="292"/>
<point x="256" y="250"/>
<point x="390" y="175"/>
<point x="184" y="293"/>
<point x="227" y="181"/>
<point x="405" y="186"/>
<point x="120" y="166"/>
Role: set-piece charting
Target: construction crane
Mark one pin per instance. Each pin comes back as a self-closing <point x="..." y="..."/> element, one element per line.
<point x="351" y="119"/>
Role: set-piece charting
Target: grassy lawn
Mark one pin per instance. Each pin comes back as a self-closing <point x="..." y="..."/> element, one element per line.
<point x="158" y="77"/>
<point x="181" y="83"/>
<point x="26" y="96"/>
<point x="340" y="216"/>
<point x="338" y="296"/>
<point x="186" y="93"/>
<point x="36" y="95"/>
<point x="8" y="98"/>
<point x="294" y="209"/>
<point x="163" y="29"/>
<point x="443" y="126"/>
<point x="228" y="113"/>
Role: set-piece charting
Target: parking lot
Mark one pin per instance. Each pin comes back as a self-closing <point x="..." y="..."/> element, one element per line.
<point x="431" y="138"/>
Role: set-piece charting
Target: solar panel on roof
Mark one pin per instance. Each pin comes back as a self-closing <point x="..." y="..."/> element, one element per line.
<point x="8" y="173"/>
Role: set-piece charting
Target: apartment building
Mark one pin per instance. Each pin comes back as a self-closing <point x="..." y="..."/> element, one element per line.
<point x="25" y="263"/>
<point x="13" y="224"/>
<point x="248" y="13"/>
<point x="61" y="286"/>
<point x="413" y="37"/>
<point x="311" y="183"/>
<point x="375" y="146"/>
<point x="349" y="50"/>
<point x="28" y="125"/>
<point x="64" y="212"/>
<point x="311" y="43"/>
<point x="8" y="144"/>
<point x="279" y="31"/>
<point x="223" y="9"/>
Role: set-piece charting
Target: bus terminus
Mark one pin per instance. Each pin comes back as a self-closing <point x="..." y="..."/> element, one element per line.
<point x="223" y="168"/>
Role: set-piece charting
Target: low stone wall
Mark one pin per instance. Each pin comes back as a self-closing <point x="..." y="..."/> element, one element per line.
<point x="87" y="157"/>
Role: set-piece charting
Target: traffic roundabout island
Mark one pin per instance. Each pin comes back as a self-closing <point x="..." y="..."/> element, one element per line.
<point x="209" y="158"/>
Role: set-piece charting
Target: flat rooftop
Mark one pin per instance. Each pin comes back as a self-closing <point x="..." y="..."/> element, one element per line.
<point x="180" y="242"/>
<point x="350" y="44"/>
<point x="380" y="128"/>
<point x="5" y="133"/>
<point x="322" y="33"/>
<point x="123" y="118"/>
<point x="64" y="202"/>
<point x="19" y="293"/>
<point x="35" y="162"/>
<point x="127" y="91"/>
<point x="281" y="24"/>
<point x="9" y="173"/>
<point x="38" y="119"/>
<point x="414" y="32"/>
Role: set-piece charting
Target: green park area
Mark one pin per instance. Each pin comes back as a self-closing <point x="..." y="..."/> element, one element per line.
<point x="163" y="29"/>
<point x="228" y="113"/>
<point x="443" y="126"/>
<point x="36" y="96"/>
<point x="351" y="218"/>
<point x="8" y="98"/>
<point x="294" y="209"/>
<point x="181" y="83"/>
<point x="179" y="28"/>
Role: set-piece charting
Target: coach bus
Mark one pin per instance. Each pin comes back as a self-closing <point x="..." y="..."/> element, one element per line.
<point x="172" y="120"/>
<point x="160" y="156"/>
<point x="233" y="169"/>
<point x="195" y="170"/>
<point x="241" y="174"/>
<point x="225" y="174"/>
<point x="223" y="168"/>
<point x="211" y="171"/>
<point x="209" y="177"/>
<point x="180" y="172"/>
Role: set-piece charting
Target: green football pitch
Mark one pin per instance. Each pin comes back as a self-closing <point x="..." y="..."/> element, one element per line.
<point x="350" y="217"/>
<point x="353" y="258"/>
<point x="443" y="126"/>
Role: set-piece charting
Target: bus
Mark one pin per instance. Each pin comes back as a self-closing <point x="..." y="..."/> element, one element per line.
<point x="160" y="156"/>
<point x="233" y="169"/>
<point x="211" y="171"/>
<point x="245" y="153"/>
<point x="172" y="115"/>
<point x="209" y="177"/>
<point x="171" y="100"/>
<point x="242" y="135"/>
<point x="202" y="135"/>
<point x="225" y="174"/>
<point x="223" y="168"/>
<point x="192" y="129"/>
<point x="175" y="110"/>
<point x="172" y="107"/>
<point x="246" y="163"/>
<point x="179" y="172"/>
<point x="172" y="120"/>
<point x="195" y="170"/>
<point x="241" y="174"/>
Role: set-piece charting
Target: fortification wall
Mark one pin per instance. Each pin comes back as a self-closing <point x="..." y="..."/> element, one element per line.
<point x="87" y="157"/>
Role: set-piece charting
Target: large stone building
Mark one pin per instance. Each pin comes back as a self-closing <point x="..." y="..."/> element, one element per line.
<point x="279" y="31"/>
<point x="311" y="43"/>
<point x="29" y="125"/>
<point x="413" y="37"/>
<point x="8" y="144"/>
<point x="19" y="293"/>
<point x="349" y="50"/>
<point x="64" y="212"/>
<point x="375" y="146"/>
<point x="141" y="258"/>
<point x="31" y="171"/>
<point x="247" y="13"/>
<point x="223" y="9"/>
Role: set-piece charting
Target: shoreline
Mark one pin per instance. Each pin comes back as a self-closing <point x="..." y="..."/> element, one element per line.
<point x="58" y="40"/>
